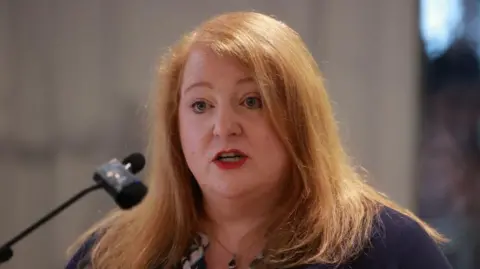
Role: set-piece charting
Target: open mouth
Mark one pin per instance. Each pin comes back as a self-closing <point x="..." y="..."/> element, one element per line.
<point x="231" y="159"/>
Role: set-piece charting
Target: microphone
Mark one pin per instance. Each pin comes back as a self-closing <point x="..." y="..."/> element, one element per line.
<point x="118" y="180"/>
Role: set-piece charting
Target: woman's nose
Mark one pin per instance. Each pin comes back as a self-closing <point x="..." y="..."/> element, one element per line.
<point x="226" y="123"/>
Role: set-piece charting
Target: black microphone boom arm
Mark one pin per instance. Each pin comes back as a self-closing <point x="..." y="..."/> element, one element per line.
<point x="6" y="251"/>
<point x="115" y="177"/>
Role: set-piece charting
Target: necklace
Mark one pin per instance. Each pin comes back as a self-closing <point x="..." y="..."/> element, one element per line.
<point x="232" y="264"/>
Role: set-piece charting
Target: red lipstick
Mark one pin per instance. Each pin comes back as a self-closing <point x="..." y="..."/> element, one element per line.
<point x="230" y="159"/>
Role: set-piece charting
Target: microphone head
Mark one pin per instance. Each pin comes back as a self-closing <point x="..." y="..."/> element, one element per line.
<point x="119" y="181"/>
<point x="136" y="161"/>
<point x="131" y="195"/>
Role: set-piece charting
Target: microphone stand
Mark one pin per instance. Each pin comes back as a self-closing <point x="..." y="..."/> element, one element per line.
<point x="6" y="252"/>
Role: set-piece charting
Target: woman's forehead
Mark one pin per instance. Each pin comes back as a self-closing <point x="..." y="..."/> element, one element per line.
<point x="205" y="64"/>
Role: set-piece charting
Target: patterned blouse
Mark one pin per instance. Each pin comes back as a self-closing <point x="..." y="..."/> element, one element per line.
<point x="195" y="259"/>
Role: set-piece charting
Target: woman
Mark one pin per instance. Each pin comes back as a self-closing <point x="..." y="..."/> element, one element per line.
<point x="247" y="168"/>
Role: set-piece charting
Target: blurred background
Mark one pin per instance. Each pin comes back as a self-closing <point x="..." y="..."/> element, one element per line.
<point x="448" y="181"/>
<point x="75" y="78"/>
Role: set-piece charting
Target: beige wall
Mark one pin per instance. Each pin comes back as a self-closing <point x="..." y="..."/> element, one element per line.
<point x="74" y="77"/>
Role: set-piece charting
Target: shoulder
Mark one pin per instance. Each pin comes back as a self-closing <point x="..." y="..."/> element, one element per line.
<point x="399" y="241"/>
<point x="81" y="259"/>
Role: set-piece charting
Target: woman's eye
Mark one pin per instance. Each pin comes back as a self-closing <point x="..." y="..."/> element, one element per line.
<point x="199" y="107"/>
<point x="253" y="102"/>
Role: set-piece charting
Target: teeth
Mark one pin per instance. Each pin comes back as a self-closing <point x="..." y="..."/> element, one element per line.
<point x="229" y="155"/>
<point x="231" y="159"/>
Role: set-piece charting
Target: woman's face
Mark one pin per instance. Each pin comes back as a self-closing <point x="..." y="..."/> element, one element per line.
<point x="228" y="142"/>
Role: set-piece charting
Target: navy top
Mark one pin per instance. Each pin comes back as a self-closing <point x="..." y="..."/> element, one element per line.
<point x="400" y="244"/>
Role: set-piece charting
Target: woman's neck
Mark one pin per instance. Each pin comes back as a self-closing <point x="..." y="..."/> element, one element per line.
<point x="239" y="223"/>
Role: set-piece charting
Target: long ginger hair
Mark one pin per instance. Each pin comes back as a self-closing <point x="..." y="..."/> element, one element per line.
<point x="330" y="211"/>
